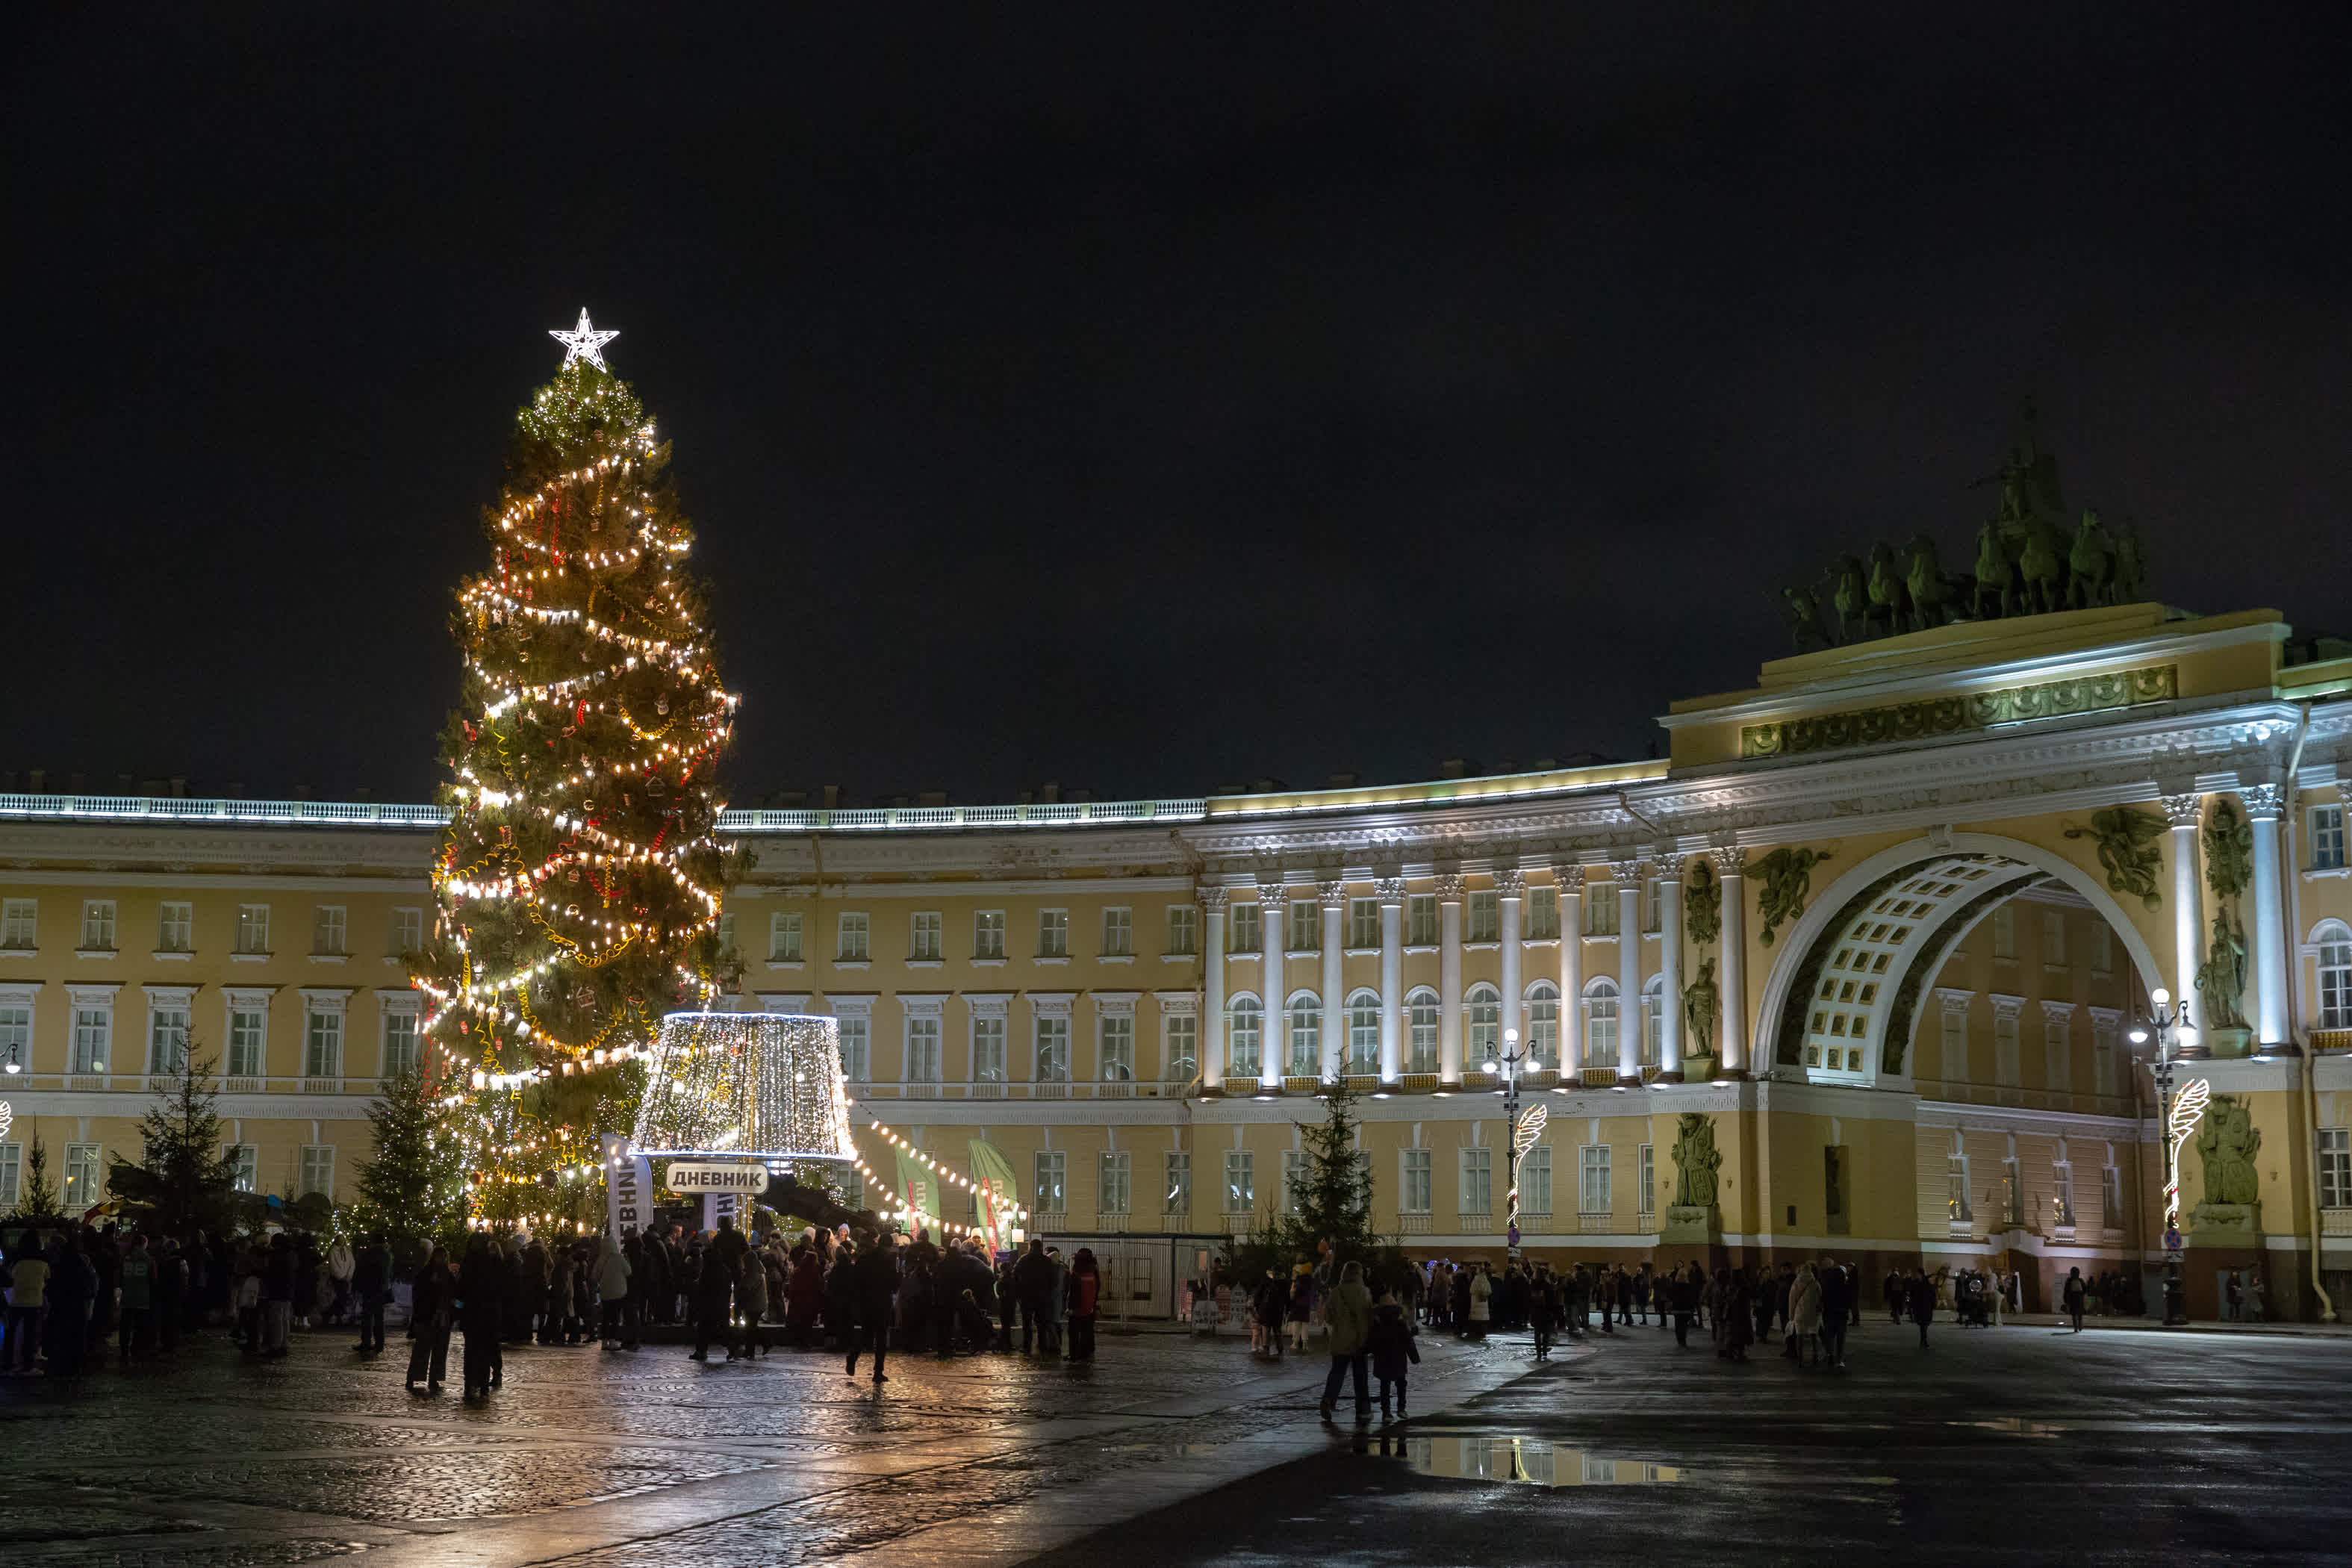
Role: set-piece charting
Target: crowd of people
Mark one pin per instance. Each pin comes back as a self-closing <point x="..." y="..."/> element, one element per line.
<point x="1815" y="1302"/>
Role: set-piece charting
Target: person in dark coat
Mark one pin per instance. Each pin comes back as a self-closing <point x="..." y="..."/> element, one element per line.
<point x="1738" y="1316"/>
<point x="714" y="1295"/>
<point x="73" y="1281"/>
<point x="840" y="1301"/>
<point x="875" y="1276"/>
<point x="1033" y="1283"/>
<point x="1393" y="1350"/>
<point x="431" y="1302"/>
<point x="1084" y="1303"/>
<point x="482" y="1284"/>
<point x="370" y="1288"/>
<point x="1921" y="1298"/>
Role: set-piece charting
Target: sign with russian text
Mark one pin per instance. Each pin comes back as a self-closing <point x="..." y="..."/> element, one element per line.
<point x="709" y="1176"/>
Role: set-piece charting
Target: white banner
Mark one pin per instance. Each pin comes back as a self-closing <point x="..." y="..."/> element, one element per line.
<point x="718" y="1204"/>
<point x="628" y="1186"/>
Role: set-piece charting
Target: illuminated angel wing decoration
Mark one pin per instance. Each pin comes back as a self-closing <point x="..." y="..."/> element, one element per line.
<point x="7" y="1117"/>
<point x="2187" y="1111"/>
<point x="1530" y="1129"/>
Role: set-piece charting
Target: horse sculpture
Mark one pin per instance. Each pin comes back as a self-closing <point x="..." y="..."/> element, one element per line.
<point x="1995" y="576"/>
<point x="1890" y="600"/>
<point x="2090" y="566"/>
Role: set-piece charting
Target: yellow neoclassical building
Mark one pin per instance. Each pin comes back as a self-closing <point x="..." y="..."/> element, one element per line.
<point x="1855" y="969"/>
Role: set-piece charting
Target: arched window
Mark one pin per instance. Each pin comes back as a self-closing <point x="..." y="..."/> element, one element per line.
<point x="1420" y="1023"/>
<point x="1364" y="1032"/>
<point x="1243" y="1021"/>
<point x="1484" y="1010"/>
<point x="1653" y="1020"/>
<point x="1543" y="1024"/>
<point x="1600" y="1023"/>
<point x="2334" y="943"/>
<point x="1306" y="1036"/>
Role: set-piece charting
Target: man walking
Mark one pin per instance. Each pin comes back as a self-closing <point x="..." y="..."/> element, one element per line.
<point x="875" y="1275"/>
<point x="1347" y="1316"/>
<point x="371" y="1287"/>
<point x="2075" y="1294"/>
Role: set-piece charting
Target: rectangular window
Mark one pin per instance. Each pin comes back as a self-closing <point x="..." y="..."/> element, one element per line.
<point x="1052" y="1193"/>
<point x="1118" y="933"/>
<point x="2006" y="1059"/>
<point x="16" y="1035"/>
<point x="857" y="1048"/>
<point x="167" y="1038"/>
<point x="407" y="933"/>
<point x="93" y="1036"/>
<point x="1413" y="1181"/>
<point x="16" y="921"/>
<point x="2327" y="838"/>
<point x="1543" y="912"/>
<point x="1053" y="1051"/>
<point x="1645" y="1177"/>
<point x="97" y="925"/>
<point x="318" y="1170"/>
<point x="329" y="931"/>
<point x="1363" y="922"/>
<point x="2336" y="1167"/>
<point x="2012" y="1195"/>
<point x="1956" y="1186"/>
<point x="1956" y="1045"/>
<point x="1601" y="910"/>
<point x="1485" y="921"/>
<point x="784" y="937"/>
<point x="1053" y="933"/>
<point x="1243" y="937"/>
<point x="988" y="1048"/>
<point x="253" y="928"/>
<point x="322" y="1044"/>
<point x="2111" y="1198"/>
<point x="2062" y="1191"/>
<point x="2103" y="949"/>
<point x="399" y="1043"/>
<point x="1241" y="1181"/>
<point x="1180" y="1037"/>
<point x="175" y="928"/>
<point x="1294" y="1179"/>
<point x="249" y="1026"/>
<point x="12" y="1157"/>
<point x="1306" y="928"/>
<point x="1592" y="1195"/>
<point x="2058" y="1054"/>
<point x="988" y="934"/>
<point x="923" y="1050"/>
<point x="2004" y="932"/>
<point x="926" y="936"/>
<point x="851" y="947"/>
<point x="1183" y="930"/>
<point x="1117" y="1047"/>
<point x="1115" y="1181"/>
<point x="1535" y="1180"/>
<point x="1176" y="1193"/>
<point x="1420" y="920"/>
<point x="2054" y="937"/>
<point x="1478" y="1174"/>
<point x="727" y="932"/>
<point x="244" y="1161"/>
<point x="82" y="1176"/>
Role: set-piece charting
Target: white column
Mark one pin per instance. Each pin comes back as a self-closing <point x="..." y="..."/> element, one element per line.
<point x="1335" y="1016"/>
<point x="1510" y="887"/>
<point x="1628" y="969"/>
<point x="1273" y="971"/>
<point x="1670" y="965"/>
<point x="1212" y="988"/>
<point x="1570" y="878"/>
<point x="2188" y="914"/>
<point x="1392" y="895"/>
<point x="2263" y="803"/>
<point x="1732" y="973"/>
<point x="1449" y="978"/>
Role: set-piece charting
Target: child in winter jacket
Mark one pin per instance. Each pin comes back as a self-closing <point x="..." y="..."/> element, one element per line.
<point x="1393" y="1350"/>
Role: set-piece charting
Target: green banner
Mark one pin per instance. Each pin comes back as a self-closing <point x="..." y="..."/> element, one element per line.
<point x="918" y="1192"/>
<point x="996" y="1190"/>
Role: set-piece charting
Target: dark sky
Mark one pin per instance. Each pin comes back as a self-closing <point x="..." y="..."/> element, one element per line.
<point x="1134" y="398"/>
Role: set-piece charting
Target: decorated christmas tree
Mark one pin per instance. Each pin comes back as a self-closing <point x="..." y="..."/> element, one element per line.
<point x="578" y="887"/>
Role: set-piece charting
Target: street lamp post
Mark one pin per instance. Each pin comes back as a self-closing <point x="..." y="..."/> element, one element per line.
<point x="2161" y="1022"/>
<point x="1508" y="1066"/>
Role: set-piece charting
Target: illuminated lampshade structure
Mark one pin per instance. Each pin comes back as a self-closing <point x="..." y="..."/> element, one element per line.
<point x="751" y="1085"/>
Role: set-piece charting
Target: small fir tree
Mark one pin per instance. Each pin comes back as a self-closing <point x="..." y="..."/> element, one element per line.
<point x="579" y="880"/>
<point x="37" y="1198"/>
<point x="1330" y="1213"/>
<point x="413" y="1192"/>
<point x="183" y="1175"/>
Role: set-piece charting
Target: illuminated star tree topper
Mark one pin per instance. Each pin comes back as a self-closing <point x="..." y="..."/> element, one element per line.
<point x="583" y="342"/>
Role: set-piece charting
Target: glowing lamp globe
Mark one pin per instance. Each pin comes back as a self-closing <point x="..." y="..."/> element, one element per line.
<point x="752" y="1085"/>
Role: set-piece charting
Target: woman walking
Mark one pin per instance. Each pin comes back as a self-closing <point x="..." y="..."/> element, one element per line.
<point x="430" y="1300"/>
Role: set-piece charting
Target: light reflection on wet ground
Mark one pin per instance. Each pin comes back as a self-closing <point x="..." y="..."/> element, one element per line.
<point x="1535" y="1461"/>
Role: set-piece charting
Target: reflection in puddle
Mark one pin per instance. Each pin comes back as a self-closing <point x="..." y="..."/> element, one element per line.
<point x="1527" y="1459"/>
<point x="2017" y="1426"/>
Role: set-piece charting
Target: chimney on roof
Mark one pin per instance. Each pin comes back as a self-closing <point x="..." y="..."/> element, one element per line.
<point x="1340" y="781"/>
<point x="1457" y="768"/>
<point x="1050" y="792"/>
<point x="38" y="781"/>
<point x="934" y="797"/>
<point x="793" y="800"/>
<point x="179" y="786"/>
<point x="832" y="797"/>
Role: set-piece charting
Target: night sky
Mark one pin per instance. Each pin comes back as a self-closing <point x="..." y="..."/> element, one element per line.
<point x="1138" y="398"/>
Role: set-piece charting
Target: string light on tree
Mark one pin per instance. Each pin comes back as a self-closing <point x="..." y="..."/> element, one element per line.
<point x="578" y="885"/>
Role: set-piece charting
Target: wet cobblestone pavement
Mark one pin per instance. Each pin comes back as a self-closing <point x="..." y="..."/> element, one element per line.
<point x="612" y="1458"/>
<point x="2018" y="1445"/>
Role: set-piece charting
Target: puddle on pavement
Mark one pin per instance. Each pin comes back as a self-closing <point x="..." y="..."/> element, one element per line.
<point x="2016" y="1426"/>
<point x="1529" y="1460"/>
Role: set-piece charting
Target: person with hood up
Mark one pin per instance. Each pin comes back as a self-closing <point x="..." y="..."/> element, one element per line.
<point x="1805" y="1314"/>
<point x="617" y="1315"/>
<point x="1347" y="1316"/>
<point x="1393" y="1350"/>
<point x="1482" y="1296"/>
